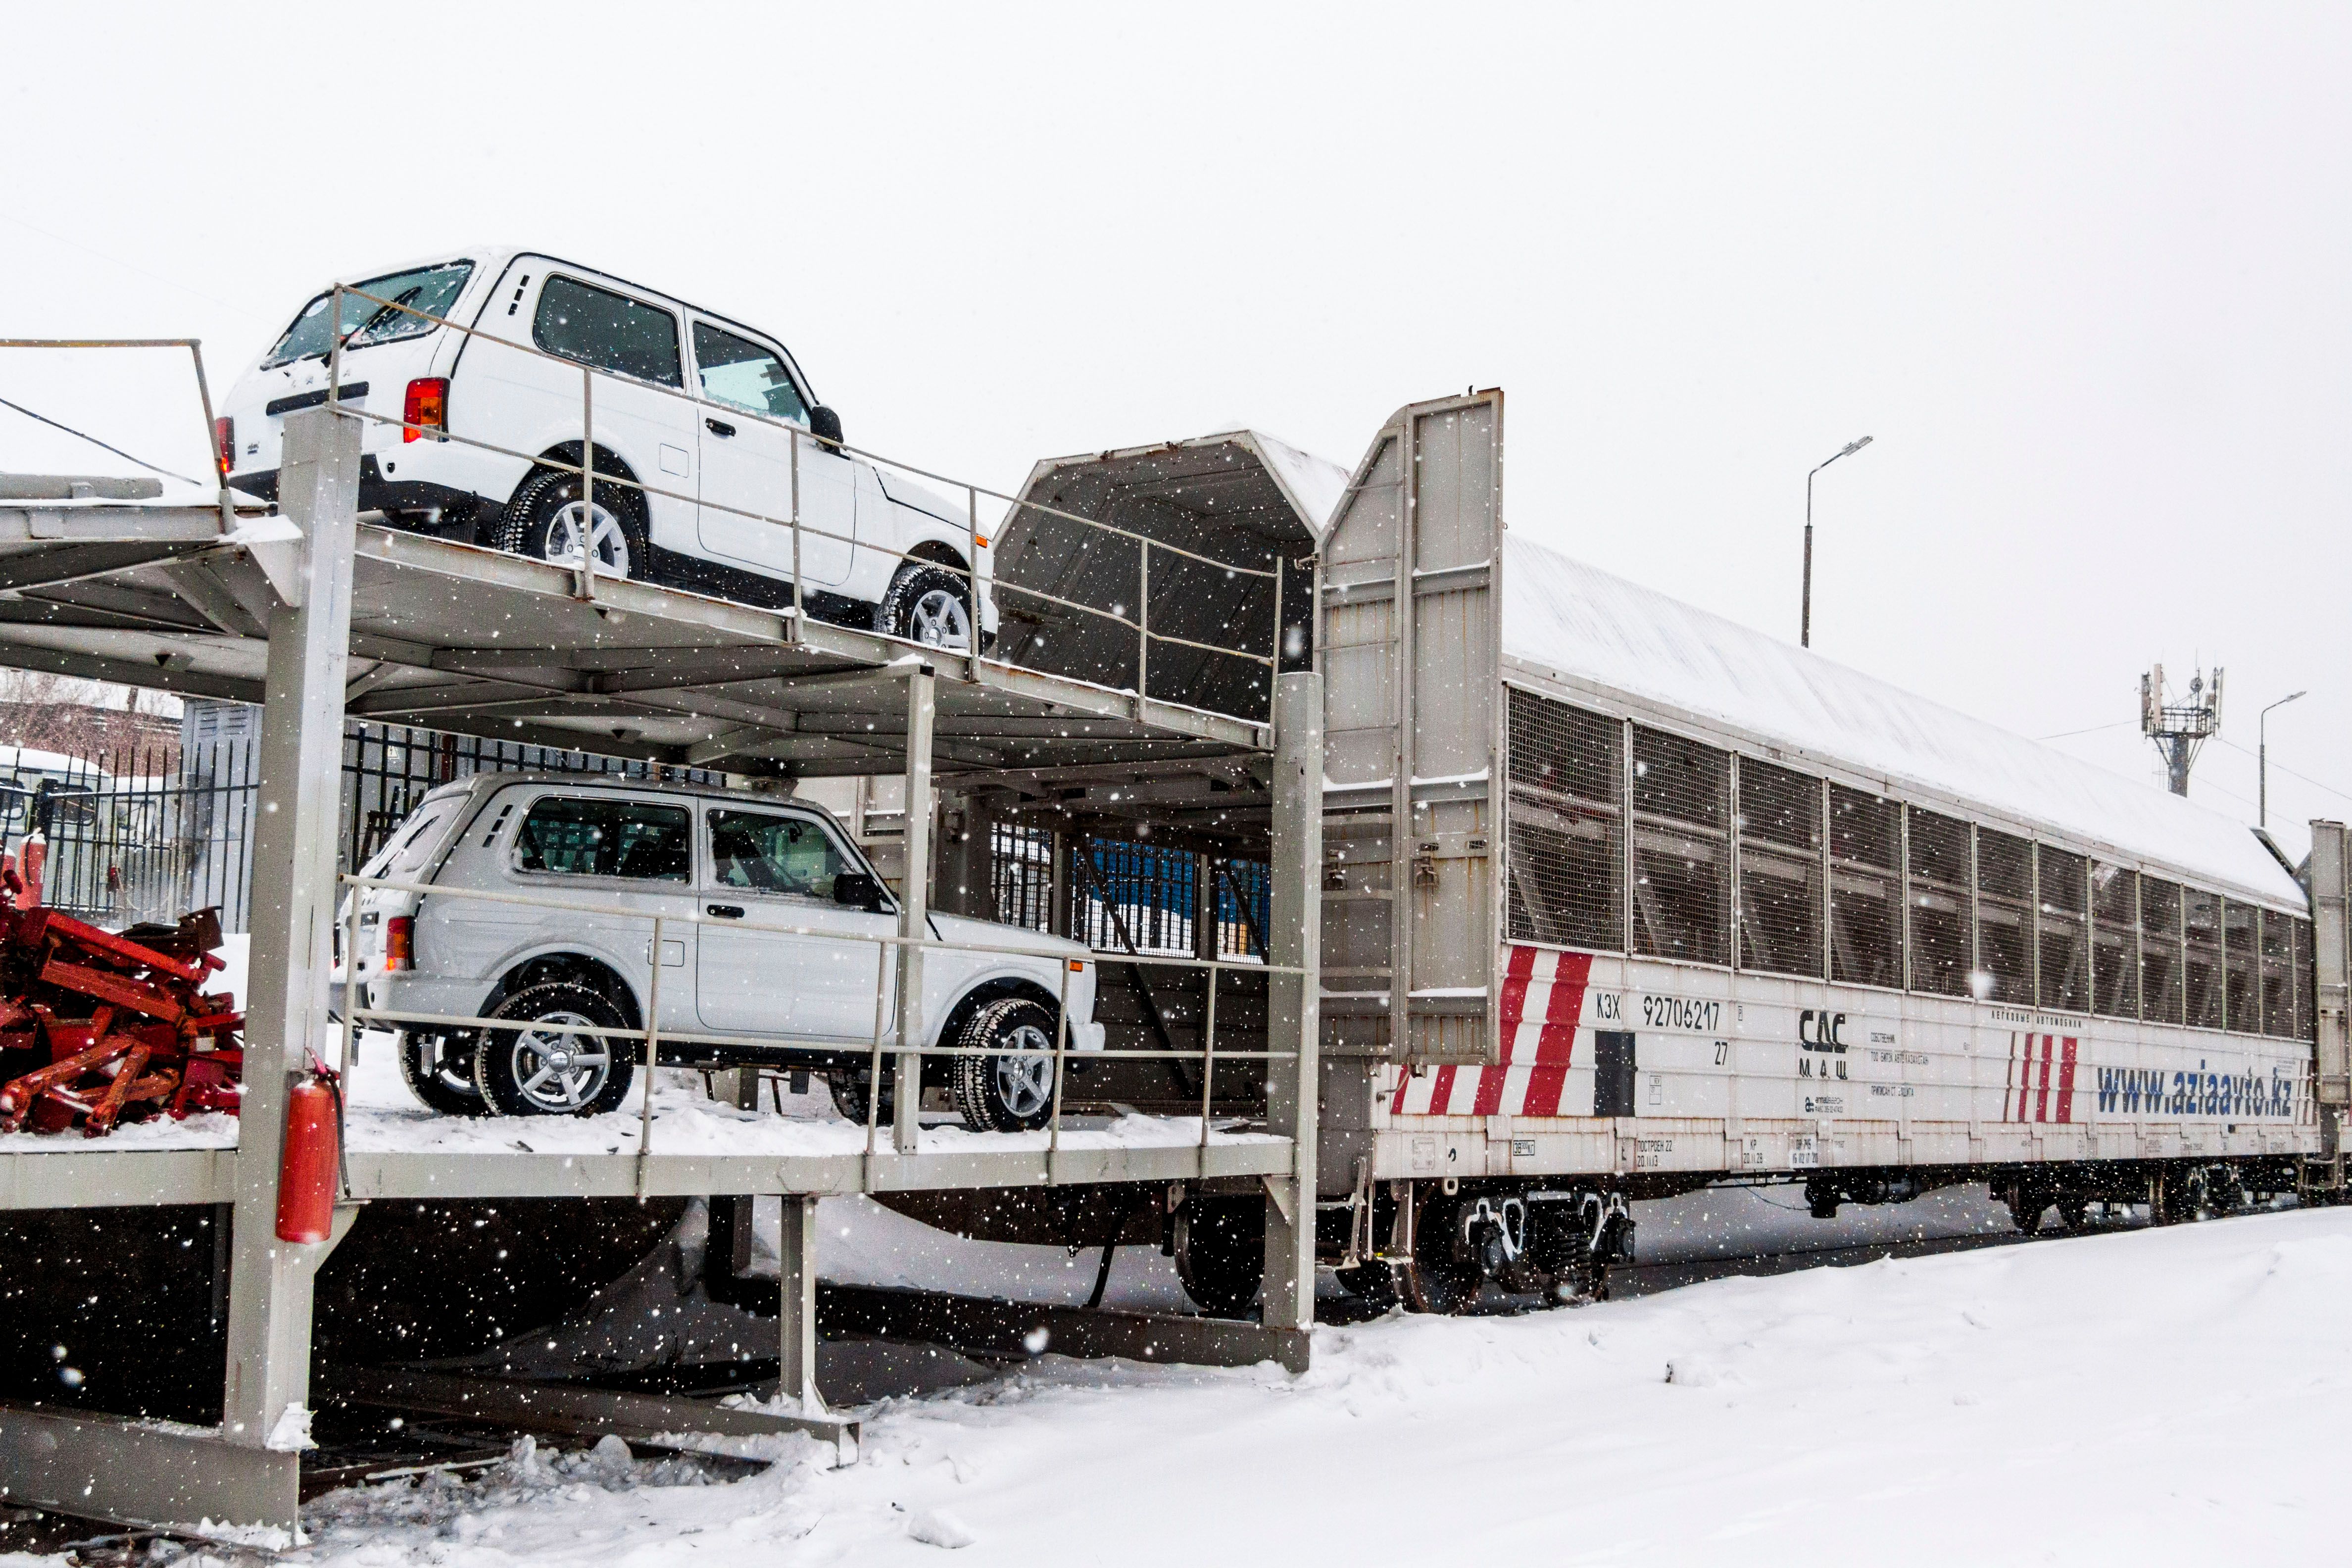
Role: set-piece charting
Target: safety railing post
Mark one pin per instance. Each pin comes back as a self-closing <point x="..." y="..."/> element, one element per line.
<point x="653" y="1036"/>
<point x="351" y="974"/>
<point x="800" y="600"/>
<point x="874" y="1069"/>
<point x="971" y="532"/>
<point x="588" y="483"/>
<point x="1208" y="1065"/>
<point x="1143" y="633"/>
<point x="1061" y="1063"/>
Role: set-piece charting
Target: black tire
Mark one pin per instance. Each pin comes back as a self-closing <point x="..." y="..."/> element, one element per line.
<point x="522" y="1072"/>
<point x="1013" y="1092"/>
<point x="439" y="1071"/>
<point x="927" y="605"/>
<point x="535" y="524"/>
<point x="2026" y="1207"/>
<point x="1373" y="1282"/>
<point x="1221" y="1252"/>
<point x="848" y="1087"/>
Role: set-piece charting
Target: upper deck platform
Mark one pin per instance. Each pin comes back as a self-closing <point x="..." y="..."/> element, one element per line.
<point x="453" y="636"/>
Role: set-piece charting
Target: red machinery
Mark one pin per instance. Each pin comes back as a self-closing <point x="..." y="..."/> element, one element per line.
<point x="96" y="1026"/>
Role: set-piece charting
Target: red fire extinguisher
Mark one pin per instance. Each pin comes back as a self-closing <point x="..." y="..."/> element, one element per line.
<point x="307" y="1168"/>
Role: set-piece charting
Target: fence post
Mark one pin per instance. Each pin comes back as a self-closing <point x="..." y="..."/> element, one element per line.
<point x="1294" y="1021"/>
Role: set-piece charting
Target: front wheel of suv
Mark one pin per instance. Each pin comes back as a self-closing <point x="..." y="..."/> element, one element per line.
<point x="550" y="1067"/>
<point x="1010" y="1089"/>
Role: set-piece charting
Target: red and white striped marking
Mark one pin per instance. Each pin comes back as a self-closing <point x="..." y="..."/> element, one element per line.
<point x="2041" y="1078"/>
<point x="1543" y="997"/>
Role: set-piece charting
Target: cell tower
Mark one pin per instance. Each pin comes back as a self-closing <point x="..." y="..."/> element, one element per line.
<point x="2178" y="729"/>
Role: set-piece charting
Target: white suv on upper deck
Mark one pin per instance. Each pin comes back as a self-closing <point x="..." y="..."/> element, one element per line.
<point x="681" y="400"/>
<point x="768" y="953"/>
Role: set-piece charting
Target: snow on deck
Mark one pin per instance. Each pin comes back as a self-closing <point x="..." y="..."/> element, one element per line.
<point x="2151" y="1397"/>
<point x="1563" y="614"/>
<point x="383" y="1118"/>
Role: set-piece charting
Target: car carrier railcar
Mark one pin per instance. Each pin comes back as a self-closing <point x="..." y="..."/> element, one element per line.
<point x="1622" y="899"/>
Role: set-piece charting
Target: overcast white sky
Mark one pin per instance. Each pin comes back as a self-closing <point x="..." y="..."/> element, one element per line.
<point x="2081" y="270"/>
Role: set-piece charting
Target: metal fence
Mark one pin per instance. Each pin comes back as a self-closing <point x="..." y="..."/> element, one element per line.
<point x="152" y="834"/>
<point x="1132" y="897"/>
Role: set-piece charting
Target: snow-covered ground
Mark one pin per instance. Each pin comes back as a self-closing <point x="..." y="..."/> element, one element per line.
<point x="2150" y="1396"/>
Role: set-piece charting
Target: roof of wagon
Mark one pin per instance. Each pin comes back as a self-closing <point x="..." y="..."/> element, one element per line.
<point x="1586" y="624"/>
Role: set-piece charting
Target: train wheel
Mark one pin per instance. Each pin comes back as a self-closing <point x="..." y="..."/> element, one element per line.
<point x="1374" y="1283"/>
<point x="1220" y="1244"/>
<point x="2025" y="1207"/>
<point x="2073" y="1214"/>
<point x="1442" y="1286"/>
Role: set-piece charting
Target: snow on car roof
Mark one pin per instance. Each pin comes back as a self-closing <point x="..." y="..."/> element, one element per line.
<point x="1565" y="616"/>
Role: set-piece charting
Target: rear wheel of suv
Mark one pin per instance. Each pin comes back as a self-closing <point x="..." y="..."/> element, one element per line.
<point x="850" y="1086"/>
<point x="927" y="605"/>
<point x="547" y="521"/>
<point x="1012" y="1089"/>
<point x="439" y="1071"/>
<point x="551" y="1068"/>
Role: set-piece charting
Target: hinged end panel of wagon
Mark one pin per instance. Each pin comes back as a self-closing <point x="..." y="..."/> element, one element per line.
<point x="1409" y="647"/>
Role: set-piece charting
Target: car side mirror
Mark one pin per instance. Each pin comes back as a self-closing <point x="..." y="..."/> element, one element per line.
<point x="857" y="890"/>
<point x="825" y="426"/>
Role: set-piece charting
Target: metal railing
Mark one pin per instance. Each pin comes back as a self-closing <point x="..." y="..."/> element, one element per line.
<point x="226" y="501"/>
<point x="885" y="1041"/>
<point x="973" y="573"/>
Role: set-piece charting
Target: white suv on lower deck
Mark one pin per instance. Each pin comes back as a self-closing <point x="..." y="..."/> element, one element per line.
<point x="769" y="957"/>
<point x="680" y="400"/>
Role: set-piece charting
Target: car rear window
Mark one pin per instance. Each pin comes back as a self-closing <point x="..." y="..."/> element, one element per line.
<point x="432" y="289"/>
<point x="413" y="843"/>
<point x="608" y="331"/>
<point x="574" y="836"/>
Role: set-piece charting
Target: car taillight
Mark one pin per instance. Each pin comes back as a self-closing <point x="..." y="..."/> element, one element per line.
<point x="427" y="405"/>
<point x="399" y="943"/>
<point x="225" y="444"/>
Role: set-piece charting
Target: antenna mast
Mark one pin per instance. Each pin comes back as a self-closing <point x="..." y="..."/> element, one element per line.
<point x="2179" y="730"/>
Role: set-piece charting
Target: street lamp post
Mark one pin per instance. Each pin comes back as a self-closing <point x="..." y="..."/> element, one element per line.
<point x="1805" y="628"/>
<point x="2263" y="759"/>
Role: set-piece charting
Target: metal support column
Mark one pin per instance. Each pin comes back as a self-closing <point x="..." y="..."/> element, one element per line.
<point x="796" y="1378"/>
<point x="914" y="904"/>
<point x="293" y="912"/>
<point x="1294" y="1023"/>
<point x="964" y="858"/>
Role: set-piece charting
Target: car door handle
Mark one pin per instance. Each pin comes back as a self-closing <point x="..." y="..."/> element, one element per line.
<point x="719" y="426"/>
<point x="725" y="911"/>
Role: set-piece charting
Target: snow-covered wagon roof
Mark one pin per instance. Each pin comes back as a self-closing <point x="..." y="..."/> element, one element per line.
<point x="1585" y="624"/>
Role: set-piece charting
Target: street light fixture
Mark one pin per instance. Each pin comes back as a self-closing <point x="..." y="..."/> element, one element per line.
<point x="1805" y="631"/>
<point x="2263" y="759"/>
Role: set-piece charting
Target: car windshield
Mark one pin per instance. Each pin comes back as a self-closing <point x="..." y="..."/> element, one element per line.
<point x="432" y="289"/>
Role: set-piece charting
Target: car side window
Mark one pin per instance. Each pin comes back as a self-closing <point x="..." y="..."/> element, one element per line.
<point x="739" y="373"/>
<point x="576" y="835"/>
<point x="764" y="853"/>
<point x="608" y="331"/>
